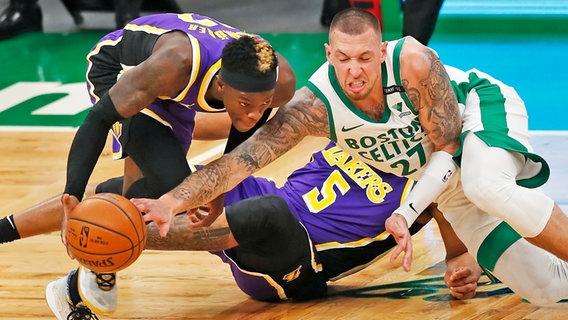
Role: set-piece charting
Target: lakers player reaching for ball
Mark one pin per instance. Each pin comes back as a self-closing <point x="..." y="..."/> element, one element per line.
<point x="397" y="107"/>
<point x="287" y="243"/>
<point x="333" y="236"/>
<point x="147" y="82"/>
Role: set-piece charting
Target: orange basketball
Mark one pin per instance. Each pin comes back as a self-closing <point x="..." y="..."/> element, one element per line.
<point x="106" y="233"/>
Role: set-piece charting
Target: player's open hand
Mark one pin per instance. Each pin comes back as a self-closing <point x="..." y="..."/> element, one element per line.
<point x="396" y="225"/>
<point x="69" y="203"/>
<point x="157" y="211"/>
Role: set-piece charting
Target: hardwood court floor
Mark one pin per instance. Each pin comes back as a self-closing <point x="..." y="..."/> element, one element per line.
<point x="196" y="285"/>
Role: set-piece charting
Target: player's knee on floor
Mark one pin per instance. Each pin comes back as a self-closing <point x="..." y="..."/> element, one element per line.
<point x="265" y="220"/>
<point x="138" y="189"/>
<point x="141" y="189"/>
<point x="113" y="185"/>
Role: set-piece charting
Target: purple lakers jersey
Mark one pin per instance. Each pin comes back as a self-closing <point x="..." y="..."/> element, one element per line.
<point x="134" y="44"/>
<point x="341" y="201"/>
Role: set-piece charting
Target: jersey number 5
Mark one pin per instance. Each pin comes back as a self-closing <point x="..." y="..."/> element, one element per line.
<point x="318" y="199"/>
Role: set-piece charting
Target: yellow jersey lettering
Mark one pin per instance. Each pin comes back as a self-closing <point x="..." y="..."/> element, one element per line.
<point x="317" y="200"/>
<point x="360" y="173"/>
<point x="221" y="35"/>
<point x="188" y="17"/>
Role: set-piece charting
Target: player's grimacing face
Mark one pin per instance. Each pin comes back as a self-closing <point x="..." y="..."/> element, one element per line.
<point x="357" y="61"/>
<point x="246" y="108"/>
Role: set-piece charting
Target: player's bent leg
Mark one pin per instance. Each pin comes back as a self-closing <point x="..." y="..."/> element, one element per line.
<point x="533" y="273"/>
<point x="274" y="243"/>
<point x="489" y="180"/>
<point x="530" y="271"/>
<point x="83" y="292"/>
<point x="112" y="185"/>
<point x="530" y="212"/>
<point x="554" y="235"/>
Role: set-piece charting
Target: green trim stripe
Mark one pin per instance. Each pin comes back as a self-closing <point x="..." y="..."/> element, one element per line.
<point x="499" y="240"/>
<point x="491" y="103"/>
<point x="384" y="75"/>
<point x="396" y="61"/>
<point x="323" y="98"/>
<point x="396" y="70"/>
<point x="494" y="116"/>
<point x="347" y="102"/>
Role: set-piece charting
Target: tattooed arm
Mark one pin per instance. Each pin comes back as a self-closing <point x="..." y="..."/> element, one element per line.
<point x="304" y="115"/>
<point x="182" y="237"/>
<point x="428" y="86"/>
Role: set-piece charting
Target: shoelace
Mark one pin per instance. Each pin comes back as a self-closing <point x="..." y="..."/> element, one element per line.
<point x="81" y="313"/>
<point x="106" y="281"/>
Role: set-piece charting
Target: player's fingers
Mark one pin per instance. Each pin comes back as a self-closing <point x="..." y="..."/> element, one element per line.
<point x="462" y="276"/>
<point x="467" y="291"/>
<point x="193" y="219"/>
<point x="200" y="223"/>
<point x="407" y="258"/>
<point x="207" y="221"/>
<point x="164" y="228"/>
<point x="465" y="288"/>
<point x="396" y="252"/>
<point x="148" y="217"/>
<point x="69" y="253"/>
<point x="141" y="204"/>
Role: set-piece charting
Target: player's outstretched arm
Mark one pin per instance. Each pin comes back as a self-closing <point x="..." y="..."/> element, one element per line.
<point x="428" y="86"/>
<point x="182" y="236"/>
<point x="304" y="115"/>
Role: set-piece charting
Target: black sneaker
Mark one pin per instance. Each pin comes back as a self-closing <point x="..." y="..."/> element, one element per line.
<point x="20" y="17"/>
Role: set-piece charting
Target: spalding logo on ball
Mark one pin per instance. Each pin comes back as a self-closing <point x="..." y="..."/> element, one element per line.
<point x="106" y="233"/>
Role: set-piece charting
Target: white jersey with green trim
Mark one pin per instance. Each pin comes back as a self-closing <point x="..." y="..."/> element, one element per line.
<point x="396" y="143"/>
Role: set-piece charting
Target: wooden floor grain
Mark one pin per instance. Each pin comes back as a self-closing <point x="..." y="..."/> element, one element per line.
<point x="196" y="285"/>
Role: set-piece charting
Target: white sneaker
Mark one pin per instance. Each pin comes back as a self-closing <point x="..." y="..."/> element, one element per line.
<point x="97" y="290"/>
<point x="57" y="297"/>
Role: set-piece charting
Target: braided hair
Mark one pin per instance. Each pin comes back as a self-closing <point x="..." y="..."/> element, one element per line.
<point x="251" y="57"/>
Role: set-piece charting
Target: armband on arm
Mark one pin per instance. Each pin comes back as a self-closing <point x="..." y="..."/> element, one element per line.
<point x="88" y="144"/>
<point x="432" y="183"/>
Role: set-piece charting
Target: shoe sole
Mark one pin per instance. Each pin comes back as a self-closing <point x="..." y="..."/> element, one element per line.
<point x="51" y="302"/>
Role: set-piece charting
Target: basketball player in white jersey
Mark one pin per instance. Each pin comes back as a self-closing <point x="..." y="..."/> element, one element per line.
<point x="462" y="135"/>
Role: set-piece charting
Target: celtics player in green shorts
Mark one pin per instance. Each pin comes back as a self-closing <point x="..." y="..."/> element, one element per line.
<point x="462" y="135"/>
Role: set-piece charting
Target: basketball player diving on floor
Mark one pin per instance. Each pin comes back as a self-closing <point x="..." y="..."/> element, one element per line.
<point x="324" y="223"/>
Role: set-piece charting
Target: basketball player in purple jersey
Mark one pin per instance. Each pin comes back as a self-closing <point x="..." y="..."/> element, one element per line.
<point x="147" y="81"/>
<point x="330" y="225"/>
<point x="326" y="222"/>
